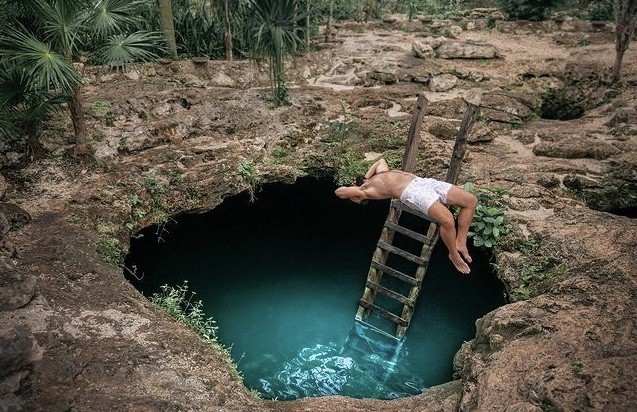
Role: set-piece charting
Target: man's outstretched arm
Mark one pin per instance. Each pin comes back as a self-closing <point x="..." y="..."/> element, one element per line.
<point x="353" y="193"/>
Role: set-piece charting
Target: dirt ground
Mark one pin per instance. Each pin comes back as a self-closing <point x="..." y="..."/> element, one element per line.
<point x="169" y="138"/>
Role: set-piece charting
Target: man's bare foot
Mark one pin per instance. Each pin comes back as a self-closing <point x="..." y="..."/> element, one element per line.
<point x="460" y="264"/>
<point x="464" y="252"/>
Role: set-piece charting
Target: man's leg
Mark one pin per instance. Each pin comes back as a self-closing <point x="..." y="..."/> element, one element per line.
<point x="467" y="204"/>
<point x="447" y="226"/>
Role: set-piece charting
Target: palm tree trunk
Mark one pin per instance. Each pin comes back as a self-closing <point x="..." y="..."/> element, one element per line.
<point x="227" y="31"/>
<point x="625" y="22"/>
<point x="328" y="27"/>
<point x="168" y="25"/>
<point x="79" y="124"/>
<point x="307" y="25"/>
<point x="32" y="137"/>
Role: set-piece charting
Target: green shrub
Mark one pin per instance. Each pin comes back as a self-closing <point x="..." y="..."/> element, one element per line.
<point x="342" y="128"/>
<point x="534" y="10"/>
<point x="489" y="224"/>
<point x="601" y="10"/>
<point x="177" y="302"/>
<point x="110" y="250"/>
<point x="248" y="172"/>
<point x="350" y="166"/>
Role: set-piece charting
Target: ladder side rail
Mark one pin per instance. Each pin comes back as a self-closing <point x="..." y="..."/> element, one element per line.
<point x="374" y="274"/>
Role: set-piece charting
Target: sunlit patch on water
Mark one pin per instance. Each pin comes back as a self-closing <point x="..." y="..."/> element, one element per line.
<point x="368" y="365"/>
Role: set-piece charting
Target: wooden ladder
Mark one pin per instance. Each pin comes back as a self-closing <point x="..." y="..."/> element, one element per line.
<point x="386" y="245"/>
<point x="379" y="267"/>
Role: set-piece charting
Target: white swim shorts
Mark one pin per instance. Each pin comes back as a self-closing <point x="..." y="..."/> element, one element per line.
<point x="422" y="192"/>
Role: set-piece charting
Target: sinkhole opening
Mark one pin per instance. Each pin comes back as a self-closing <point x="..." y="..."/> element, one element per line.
<point x="563" y="104"/>
<point x="282" y="277"/>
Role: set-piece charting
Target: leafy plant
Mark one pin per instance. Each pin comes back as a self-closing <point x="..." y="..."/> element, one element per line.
<point x="583" y="42"/>
<point x="177" y="302"/>
<point x="72" y="219"/>
<point x="108" y="246"/>
<point x="279" y="153"/>
<point x="601" y="10"/>
<point x="350" y="166"/>
<point x="341" y="128"/>
<point x="489" y="225"/>
<point x="576" y="364"/>
<point x="156" y="190"/>
<point x="274" y="36"/>
<point x="248" y="172"/>
<point x="110" y="250"/>
<point x="542" y="266"/>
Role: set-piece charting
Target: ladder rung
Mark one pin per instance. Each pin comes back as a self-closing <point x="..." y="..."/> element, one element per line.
<point x="393" y="272"/>
<point x="384" y="313"/>
<point x="388" y="292"/>
<point x="407" y="232"/>
<point x="400" y="252"/>
<point x="401" y="206"/>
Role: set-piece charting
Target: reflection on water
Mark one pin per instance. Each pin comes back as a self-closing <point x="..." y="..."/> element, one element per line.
<point x="368" y="365"/>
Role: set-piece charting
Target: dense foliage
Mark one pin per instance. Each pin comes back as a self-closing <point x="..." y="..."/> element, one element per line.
<point x="43" y="43"/>
<point x="534" y="10"/>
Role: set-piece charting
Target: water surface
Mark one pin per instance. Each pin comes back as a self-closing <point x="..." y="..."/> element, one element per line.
<point x="282" y="278"/>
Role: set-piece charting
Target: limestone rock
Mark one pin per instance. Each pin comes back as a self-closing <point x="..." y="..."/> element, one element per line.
<point x="434" y="42"/>
<point x="221" y="79"/>
<point x="387" y="76"/>
<point x="501" y="107"/>
<point x="133" y="75"/>
<point x="575" y="148"/>
<point x="443" y="82"/>
<point x="15" y="215"/>
<point x="443" y="129"/>
<point x="422" y="50"/>
<point x="463" y="50"/>
<point x="18" y="351"/>
<point x="454" y="31"/>
<point x="16" y="290"/>
<point x="481" y="134"/>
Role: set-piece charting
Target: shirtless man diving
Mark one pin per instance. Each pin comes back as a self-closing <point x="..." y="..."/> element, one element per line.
<point x="424" y="194"/>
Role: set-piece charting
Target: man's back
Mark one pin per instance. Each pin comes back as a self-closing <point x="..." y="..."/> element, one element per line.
<point x="386" y="184"/>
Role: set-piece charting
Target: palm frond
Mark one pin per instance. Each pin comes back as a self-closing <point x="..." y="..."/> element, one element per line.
<point x="7" y="126"/>
<point x="42" y="106"/>
<point x="22" y="105"/>
<point x="62" y="23"/>
<point x="113" y="16"/>
<point x="47" y="68"/>
<point x="139" y="46"/>
<point x="14" y="85"/>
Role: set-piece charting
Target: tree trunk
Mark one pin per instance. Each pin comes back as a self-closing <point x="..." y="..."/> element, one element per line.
<point x="31" y="131"/>
<point x="227" y="31"/>
<point x="328" y="27"/>
<point x="79" y="124"/>
<point x="307" y="25"/>
<point x="625" y="22"/>
<point x="167" y="25"/>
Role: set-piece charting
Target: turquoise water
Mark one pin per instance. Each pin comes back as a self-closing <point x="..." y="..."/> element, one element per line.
<point x="282" y="278"/>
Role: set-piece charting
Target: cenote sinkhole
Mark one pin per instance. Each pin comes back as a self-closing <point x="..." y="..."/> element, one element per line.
<point x="282" y="277"/>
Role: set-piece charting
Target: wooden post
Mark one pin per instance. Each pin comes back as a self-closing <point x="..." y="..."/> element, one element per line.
<point x="409" y="159"/>
<point x="460" y="146"/>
